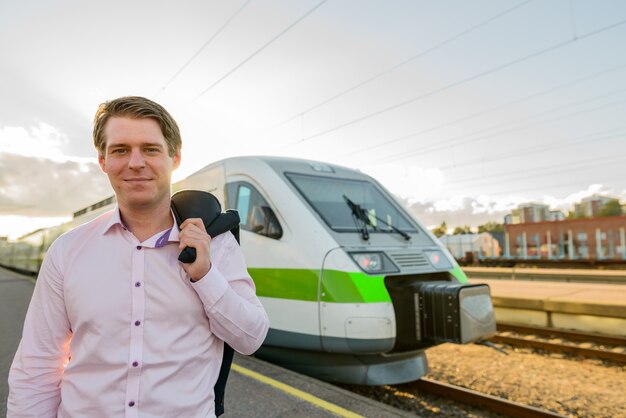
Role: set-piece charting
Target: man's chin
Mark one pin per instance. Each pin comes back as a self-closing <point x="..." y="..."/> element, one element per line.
<point x="141" y="202"/>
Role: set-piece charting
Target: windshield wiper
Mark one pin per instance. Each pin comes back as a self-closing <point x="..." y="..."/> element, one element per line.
<point x="361" y="218"/>
<point x="358" y="213"/>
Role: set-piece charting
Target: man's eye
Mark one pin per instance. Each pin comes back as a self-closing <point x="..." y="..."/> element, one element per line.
<point x="118" y="151"/>
<point x="152" y="150"/>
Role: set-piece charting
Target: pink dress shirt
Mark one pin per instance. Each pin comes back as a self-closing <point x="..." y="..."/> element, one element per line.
<point x="115" y="328"/>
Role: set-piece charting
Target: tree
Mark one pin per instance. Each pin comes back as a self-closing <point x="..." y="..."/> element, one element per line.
<point x="491" y="226"/>
<point x="441" y="229"/>
<point x="611" y="208"/>
<point x="465" y="229"/>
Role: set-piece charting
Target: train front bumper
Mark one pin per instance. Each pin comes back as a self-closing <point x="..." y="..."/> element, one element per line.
<point x="432" y="312"/>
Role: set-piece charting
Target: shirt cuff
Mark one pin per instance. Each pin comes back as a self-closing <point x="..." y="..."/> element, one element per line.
<point x="211" y="287"/>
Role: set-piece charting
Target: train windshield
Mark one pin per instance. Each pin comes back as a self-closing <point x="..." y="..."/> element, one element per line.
<point x="328" y="195"/>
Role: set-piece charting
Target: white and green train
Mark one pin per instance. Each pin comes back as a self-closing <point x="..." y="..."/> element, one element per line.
<point x="355" y="287"/>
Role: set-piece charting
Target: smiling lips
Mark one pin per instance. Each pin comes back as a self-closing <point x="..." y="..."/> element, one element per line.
<point x="137" y="179"/>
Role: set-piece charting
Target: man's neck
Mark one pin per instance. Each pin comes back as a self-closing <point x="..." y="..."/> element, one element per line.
<point x="145" y="222"/>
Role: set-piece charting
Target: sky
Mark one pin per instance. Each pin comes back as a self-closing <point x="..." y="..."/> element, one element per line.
<point x="464" y="109"/>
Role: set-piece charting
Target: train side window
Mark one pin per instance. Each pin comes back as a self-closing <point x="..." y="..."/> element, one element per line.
<point x="243" y="203"/>
<point x="255" y="213"/>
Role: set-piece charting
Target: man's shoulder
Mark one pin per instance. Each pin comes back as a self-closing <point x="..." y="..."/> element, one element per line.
<point x="224" y="244"/>
<point x="67" y="245"/>
<point x="87" y="229"/>
<point x="225" y="239"/>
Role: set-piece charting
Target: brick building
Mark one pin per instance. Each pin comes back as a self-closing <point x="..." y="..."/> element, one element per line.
<point x="588" y="238"/>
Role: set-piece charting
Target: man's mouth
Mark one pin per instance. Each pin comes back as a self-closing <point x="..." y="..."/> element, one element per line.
<point x="137" y="179"/>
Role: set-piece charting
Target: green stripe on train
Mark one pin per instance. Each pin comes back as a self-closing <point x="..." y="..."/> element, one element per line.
<point x="459" y="274"/>
<point x="338" y="286"/>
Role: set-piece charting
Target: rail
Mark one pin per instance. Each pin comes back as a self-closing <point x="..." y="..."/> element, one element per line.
<point x="557" y="347"/>
<point x="482" y="400"/>
<point x="570" y="335"/>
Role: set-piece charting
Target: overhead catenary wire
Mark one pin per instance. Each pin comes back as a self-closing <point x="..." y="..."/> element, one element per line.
<point x="536" y="172"/>
<point x="537" y="187"/>
<point x="570" y="142"/>
<point x="207" y="43"/>
<point x="543" y="186"/>
<point x="459" y="140"/>
<point x="462" y="81"/>
<point x="255" y="53"/>
<point x="400" y="64"/>
<point x="498" y="107"/>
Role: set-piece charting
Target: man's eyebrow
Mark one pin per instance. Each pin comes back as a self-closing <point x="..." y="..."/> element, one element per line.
<point x="143" y="144"/>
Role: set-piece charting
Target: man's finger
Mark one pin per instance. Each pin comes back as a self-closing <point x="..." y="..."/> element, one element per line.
<point x="193" y="221"/>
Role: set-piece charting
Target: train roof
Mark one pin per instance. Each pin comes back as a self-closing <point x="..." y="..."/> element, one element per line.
<point x="290" y="164"/>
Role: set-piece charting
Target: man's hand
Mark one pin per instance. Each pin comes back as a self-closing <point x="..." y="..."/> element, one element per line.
<point x="193" y="234"/>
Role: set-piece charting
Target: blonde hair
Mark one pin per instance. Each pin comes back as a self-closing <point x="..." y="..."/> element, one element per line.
<point x="136" y="107"/>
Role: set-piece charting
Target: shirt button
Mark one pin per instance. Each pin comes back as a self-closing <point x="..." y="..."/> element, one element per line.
<point x="135" y="364"/>
<point x="131" y="403"/>
<point x="137" y="323"/>
<point x="139" y="247"/>
<point x="137" y="284"/>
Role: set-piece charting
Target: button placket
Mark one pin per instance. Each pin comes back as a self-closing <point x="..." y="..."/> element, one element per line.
<point x="136" y="331"/>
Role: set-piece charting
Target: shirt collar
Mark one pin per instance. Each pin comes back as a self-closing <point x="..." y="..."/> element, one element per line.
<point x="115" y="219"/>
<point x="170" y="235"/>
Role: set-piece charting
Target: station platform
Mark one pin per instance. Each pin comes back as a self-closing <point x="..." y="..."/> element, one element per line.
<point x="588" y="307"/>
<point x="260" y="389"/>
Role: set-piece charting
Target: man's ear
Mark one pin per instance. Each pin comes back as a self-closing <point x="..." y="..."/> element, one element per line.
<point x="176" y="159"/>
<point x="102" y="162"/>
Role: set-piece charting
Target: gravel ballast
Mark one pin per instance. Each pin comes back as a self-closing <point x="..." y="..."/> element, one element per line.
<point x="574" y="387"/>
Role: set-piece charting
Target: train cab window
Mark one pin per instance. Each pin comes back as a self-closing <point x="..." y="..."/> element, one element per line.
<point x="327" y="196"/>
<point x="255" y="213"/>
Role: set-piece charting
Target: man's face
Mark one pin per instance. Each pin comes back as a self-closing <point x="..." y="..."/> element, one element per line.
<point x="137" y="162"/>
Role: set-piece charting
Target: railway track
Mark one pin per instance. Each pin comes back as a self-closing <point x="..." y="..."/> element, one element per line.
<point x="599" y="339"/>
<point x="480" y="400"/>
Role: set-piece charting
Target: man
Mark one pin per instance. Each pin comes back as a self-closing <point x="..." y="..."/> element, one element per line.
<point x="117" y="326"/>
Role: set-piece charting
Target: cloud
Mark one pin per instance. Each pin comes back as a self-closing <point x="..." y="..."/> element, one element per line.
<point x="38" y="179"/>
<point x="458" y="212"/>
<point x="40" y="187"/>
<point x="568" y="201"/>
<point x="41" y="141"/>
<point x="30" y="99"/>
<point x="464" y="210"/>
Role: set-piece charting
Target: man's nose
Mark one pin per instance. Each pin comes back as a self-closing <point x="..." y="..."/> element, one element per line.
<point x="136" y="159"/>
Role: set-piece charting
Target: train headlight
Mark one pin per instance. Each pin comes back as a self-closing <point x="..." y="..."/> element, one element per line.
<point x="438" y="259"/>
<point x="374" y="262"/>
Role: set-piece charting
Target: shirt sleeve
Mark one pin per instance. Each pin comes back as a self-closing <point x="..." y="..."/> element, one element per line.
<point x="229" y="297"/>
<point x="37" y="369"/>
